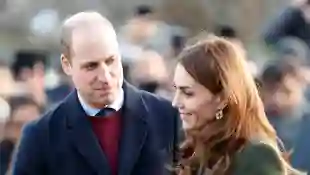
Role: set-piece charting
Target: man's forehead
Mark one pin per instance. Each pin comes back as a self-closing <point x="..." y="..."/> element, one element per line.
<point x="93" y="32"/>
<point x="93" y="41"/>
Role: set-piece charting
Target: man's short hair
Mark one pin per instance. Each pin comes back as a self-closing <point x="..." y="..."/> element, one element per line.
<point x="276" y="73"/>
<point x="226" y="31"/>
<point x="27" y="59"/>
<point x="16" y="102"/>
<point x="142" y="10"/>
<point x="81" y="19"/>
<point x="65" y="40"/>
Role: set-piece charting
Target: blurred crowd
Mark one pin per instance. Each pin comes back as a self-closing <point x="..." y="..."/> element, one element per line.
<point x="149" y="50"/>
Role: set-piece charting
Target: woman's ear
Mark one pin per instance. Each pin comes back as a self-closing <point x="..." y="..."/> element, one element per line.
<point x="221" y="101"/>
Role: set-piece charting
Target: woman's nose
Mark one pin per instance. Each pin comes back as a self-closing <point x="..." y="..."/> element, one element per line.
<point x="176" y="100"/>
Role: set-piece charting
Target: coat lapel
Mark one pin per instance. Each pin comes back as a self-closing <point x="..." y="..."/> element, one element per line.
<point x="83" y="138"/>
<point x="134" y="130"/>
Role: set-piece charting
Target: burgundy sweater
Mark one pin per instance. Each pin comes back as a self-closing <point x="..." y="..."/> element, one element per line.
<point x="108" y="131"/>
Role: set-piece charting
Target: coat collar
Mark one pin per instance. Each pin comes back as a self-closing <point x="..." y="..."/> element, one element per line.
<point x="134" y="131"/>
<point x="91" y="111"/>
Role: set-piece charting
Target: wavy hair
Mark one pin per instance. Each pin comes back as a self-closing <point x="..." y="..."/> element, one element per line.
<point x="220" y="66"/>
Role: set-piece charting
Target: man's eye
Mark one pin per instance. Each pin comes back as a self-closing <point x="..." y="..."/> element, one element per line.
<point x="109" y="61"/>
<point x="91" y="66"/>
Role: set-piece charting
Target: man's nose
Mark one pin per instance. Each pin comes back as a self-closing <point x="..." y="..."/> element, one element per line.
<point x="104" y="73"/>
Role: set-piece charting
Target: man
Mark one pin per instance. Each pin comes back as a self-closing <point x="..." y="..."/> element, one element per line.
<point x="5" y="111"/>
<point x="300" y="158"/>
<point x="22" y="110"/>
<point x="285" y="104"/>
<point x="293" y="22"/>
<point x="104" y="127"/>
<point x="28" y="70"/>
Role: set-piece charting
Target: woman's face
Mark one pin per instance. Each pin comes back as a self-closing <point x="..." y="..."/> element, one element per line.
<point x="196" y="104"/>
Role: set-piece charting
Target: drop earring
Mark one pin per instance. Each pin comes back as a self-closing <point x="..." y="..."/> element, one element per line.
<point x="219" y="114"/>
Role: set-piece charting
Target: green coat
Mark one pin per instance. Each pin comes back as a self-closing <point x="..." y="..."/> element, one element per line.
<point x="256" y="158"/>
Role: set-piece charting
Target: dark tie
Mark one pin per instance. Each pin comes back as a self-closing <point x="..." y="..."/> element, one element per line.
<point x="105" y="112"/>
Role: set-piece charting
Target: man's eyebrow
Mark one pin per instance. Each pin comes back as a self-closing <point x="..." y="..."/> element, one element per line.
<point x="98" y="60"/>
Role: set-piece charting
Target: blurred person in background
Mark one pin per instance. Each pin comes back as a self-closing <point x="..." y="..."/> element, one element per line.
<point x="63" y="88"/>
<point x="5" y="110"/>
<point x="4" y="153"/>
<point x="29" y="73"/>
<point x="291" y="49"/>
<point x="291" y="30"/>
<point x="105" y="126"/>
<point x="227" y="131"/>
<point x="144" y="30"/>
<point x="177" y="42"/>
<point x="285" y="103"/>
<point x="23" y="110"/>
<point x="300" y="158"/>
<point x="134" y="35"/>
<point x="230" y="33"/>
<point x="8" y="86"/>
<point x="149" y="72"/>
<point x="295" y="51"/>
<point x="292" y="22"/>
<point x="177" y="45"/>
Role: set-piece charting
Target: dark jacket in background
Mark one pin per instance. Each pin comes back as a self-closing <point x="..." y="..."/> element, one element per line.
<point x="301" y="155"/>
<point x="288" y="125"/>
<point x="6" y="151"/>
<point x="291" y="23"/>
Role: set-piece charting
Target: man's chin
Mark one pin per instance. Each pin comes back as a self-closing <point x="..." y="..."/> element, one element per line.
<point x="103" y="101"/>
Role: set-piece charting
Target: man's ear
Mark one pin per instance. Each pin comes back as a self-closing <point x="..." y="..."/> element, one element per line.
<point x="66" y="64"/>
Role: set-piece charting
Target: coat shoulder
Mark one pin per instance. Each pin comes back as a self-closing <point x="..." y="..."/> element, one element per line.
<point x="164" y="118"/>
<point x="258" y="150"/>
<point x="160" y="109"/>
<point x="47" y="118"/>
<point x="156" y="100"/>
<point x="258" y="158"/>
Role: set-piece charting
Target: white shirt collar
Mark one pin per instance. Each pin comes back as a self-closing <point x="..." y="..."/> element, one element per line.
<point x="91" y="111"/>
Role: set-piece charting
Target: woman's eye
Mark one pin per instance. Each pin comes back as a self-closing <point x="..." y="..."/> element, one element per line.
<point x="189" y="94"/>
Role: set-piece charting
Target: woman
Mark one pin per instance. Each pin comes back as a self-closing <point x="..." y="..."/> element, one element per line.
<point x="227" y="131"/>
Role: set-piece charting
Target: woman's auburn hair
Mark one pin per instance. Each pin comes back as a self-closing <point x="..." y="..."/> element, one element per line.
<point x="220" y="66"/>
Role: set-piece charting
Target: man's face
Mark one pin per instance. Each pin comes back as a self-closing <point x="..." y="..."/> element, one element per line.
<point x="21" y="116"/>
<point x="95" y="65"/>
<point x="283" y="97"/>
